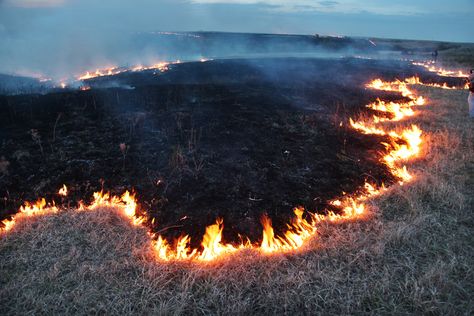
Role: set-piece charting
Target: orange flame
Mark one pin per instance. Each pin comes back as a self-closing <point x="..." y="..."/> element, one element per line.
<point x="395" y="86"/>
<point x="441" y="71"/>
<point x="416" y="80"/>
<point x="298" y="231"/>
<point x="111" y="71"/>
<point x="38" y="208"/>
<point x="127" y="203"/>
<point x="404" y="145"/>
<point x="100" y="73"/>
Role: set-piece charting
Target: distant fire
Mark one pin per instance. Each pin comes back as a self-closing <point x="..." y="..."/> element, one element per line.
<point x="100" y="73"/>
<point x="111" y="71"/>
<point x="441" y="71"/>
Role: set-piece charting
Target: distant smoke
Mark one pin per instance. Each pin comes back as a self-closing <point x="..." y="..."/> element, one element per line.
<point x="59" y="38"/>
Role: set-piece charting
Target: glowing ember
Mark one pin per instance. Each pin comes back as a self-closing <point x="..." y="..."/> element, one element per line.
<point x="63" y="191"/>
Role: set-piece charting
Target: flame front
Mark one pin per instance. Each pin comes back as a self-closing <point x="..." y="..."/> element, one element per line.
<point x="402" y="145"/>
<point x="111" y="71"/>
<point x="298" y="231"/>
<point x="441" y="71"/>
<point x="38" y="208"/>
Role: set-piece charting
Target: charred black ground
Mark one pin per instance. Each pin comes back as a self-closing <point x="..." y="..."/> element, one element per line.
<point x="225" y="138"/>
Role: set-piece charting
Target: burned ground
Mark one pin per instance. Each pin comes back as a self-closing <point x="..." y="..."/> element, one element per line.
<point x="224" y="138"/>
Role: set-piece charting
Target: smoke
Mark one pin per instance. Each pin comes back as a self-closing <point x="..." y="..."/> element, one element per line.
<point x="62" y="38"/>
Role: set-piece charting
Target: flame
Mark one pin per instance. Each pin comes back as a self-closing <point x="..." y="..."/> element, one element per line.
<point x="38" y="208"/>
<point x="127" y="203"/>
<point x="401" y="146"/>
<point x="212" y="242"/>
<point x="441" y="71"/>
<point x="398" y="110"/>
<point x="298" y="231"/>
<point x="402" y="86"/>
<point x="100" y="73"/>
<point x="416" y="80"/>
<point x="63" y="190"/>
<point x="162" y="66"/>
<point x="395" y="86"/>
<point x="111" y="71"/>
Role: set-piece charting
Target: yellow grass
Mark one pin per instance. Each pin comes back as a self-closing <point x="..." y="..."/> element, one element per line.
<point x="414" y="254"/>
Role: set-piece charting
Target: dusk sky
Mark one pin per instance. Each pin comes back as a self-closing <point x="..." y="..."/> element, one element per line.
<point x="420" y="19"/>
<point x="34" y="33"/>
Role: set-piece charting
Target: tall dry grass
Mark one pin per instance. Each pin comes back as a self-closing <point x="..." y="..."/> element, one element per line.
<point x="413" y="255"/>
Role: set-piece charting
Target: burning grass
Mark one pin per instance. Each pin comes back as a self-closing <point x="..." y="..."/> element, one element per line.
<point x="414" y="255"/>
<point x="231" y="147"/>
<point x="403" y="146"/>
<point x="386" y="264"/>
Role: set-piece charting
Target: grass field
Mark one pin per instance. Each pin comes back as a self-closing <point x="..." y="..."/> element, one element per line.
<point x="415" y="253"/>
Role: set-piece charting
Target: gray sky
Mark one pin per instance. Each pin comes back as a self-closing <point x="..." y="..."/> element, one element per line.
<point x="29" y="29"/>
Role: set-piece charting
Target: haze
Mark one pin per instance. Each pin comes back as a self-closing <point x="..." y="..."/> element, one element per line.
<point x="41" y="35"/>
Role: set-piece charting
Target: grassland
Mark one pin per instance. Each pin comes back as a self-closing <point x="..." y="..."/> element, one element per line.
<point x="414" y="255"/>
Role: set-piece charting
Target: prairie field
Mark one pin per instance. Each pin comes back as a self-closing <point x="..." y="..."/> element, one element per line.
<point x="412" y="254"/>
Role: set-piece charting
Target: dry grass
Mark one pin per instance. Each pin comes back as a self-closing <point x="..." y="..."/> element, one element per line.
<point x="460" y="55"/>
<point x="413" y="256"/>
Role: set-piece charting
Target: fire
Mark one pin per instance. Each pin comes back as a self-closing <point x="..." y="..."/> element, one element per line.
<point x="411" y="148"/>
<point x="63" y="190"/>
<point x="38" y="208"/>
<point x="126" y="203"/>
<point x="397" y="110"/>
<point x="395" y="86"/>
<point x="441" y="71"/>
<point x="404" y="145"/>
<point x="100" y="73"/>
<point x="298" y="231"/>
<point x="402" y="86"/>
<point x="401" y="146"/>
<point x="111" y="71"/>
<point x="416" y="80"/>
<point x="212" y="242"/>
<point x="163" y="66"/>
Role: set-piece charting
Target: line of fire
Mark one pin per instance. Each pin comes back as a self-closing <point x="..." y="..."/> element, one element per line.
<point x="216" y="156"/>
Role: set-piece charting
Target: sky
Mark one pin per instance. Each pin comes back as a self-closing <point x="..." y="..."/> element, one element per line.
<point x="31" y="29"/>
<point x="411" y="19"/>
